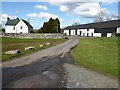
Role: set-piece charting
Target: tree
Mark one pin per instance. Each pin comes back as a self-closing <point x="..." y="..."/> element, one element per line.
<point x="76" y="23"/>
<point x="52" y="26"/>
<point x="57" y="24"/>
<point x="106" y="18"/>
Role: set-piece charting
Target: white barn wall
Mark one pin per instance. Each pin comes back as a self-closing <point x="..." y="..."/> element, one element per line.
<point x="78" y="31"/>
<point x="90" y="32"/>
<point x="73" y="32"/>
<point x="66" y="32"/>
<point x="97" y="34"/>
<point x="24" y="29"/>
<point x="118" y="30"/>
<point x="109" y="34"/>
<point x="84" y="32"/>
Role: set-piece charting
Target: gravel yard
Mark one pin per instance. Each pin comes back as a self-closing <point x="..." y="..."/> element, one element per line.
<point x="79" y="77"/>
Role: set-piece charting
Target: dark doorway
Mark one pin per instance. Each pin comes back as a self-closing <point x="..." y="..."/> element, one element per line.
<point x="80" y="33"/>
<point x="87" y="34"/>
<point x="92" y="34"/>
<point x="76" y="32"/>
<point x="69" y="32"/>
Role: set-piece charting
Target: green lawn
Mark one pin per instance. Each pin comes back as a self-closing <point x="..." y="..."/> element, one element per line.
<point x="99" y="54"/>
<point x="15" y="43"/>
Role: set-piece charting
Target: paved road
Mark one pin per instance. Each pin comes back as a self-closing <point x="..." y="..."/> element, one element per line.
<point x="54" y="71"/>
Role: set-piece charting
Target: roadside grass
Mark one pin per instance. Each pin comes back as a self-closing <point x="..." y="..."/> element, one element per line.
<point x="15" y="43"/>
<point x="99" y="54"/>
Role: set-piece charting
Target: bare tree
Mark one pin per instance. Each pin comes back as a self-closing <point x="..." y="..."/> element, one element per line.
<point x="115" y="16"/>
<point x="76" y="23"/>
<point x="100" y="16"/>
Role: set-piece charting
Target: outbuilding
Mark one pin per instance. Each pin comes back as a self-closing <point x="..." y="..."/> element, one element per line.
<point x="99" y="29"/>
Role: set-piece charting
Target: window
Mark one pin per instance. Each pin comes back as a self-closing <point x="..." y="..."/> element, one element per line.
<point x="14" y="28"/>
<point x="21" y="27"/>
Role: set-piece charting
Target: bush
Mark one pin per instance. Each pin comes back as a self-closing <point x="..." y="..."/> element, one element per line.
<point x="117" y="34"/>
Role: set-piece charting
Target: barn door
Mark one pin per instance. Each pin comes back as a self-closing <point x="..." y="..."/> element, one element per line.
<point x="92" y="34"/>
<point x="80" y="33"/>
<point x="87" y="34"/>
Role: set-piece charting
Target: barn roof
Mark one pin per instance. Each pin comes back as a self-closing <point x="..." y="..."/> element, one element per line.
<point x="106" y="24"/>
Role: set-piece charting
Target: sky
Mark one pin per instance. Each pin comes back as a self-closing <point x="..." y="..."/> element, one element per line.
<point x="68" y="11"/>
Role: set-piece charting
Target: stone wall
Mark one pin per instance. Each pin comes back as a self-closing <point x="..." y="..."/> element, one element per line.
<point x="31" y="35"/>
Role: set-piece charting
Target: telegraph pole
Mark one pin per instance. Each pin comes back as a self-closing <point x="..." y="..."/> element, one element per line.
<point x="57" y="30"/>
<point x="29" y="25"/>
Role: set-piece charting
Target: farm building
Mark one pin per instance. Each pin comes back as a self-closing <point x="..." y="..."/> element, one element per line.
<point x="100" y="29"/>
<point x="17" y="26"/>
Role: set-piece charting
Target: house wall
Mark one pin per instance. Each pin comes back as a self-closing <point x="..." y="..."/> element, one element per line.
<point x="24" y="27"/>
<point x="10" y="29"/>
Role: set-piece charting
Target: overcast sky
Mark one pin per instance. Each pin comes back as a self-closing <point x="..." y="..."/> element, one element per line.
<point x="68" y="11"/>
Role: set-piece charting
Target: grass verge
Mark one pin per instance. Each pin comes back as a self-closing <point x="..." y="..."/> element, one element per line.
<point x="15" y="43"/>
<point x="99" y="54"/>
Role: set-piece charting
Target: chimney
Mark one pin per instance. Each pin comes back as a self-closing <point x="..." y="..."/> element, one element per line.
<point x="8" y="18"/>
<point x="17" y="18"/>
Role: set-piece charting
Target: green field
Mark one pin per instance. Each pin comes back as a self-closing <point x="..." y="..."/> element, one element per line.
<point x="99" y="54"/>
<point x="15" y="43"/>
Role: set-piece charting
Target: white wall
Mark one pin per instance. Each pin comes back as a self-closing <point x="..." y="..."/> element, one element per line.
<point x="24" y="29"/>
<point x="97" y="34"/>
<point x="66" y="32"/>
<point x="90" y="32"/>
<point x="73" y="32"/>
<point x="118" y="30"/>
<point x="83" y="31"/>
<point x="78" y="31"/>
<point x="109" y="34"/>
<point x="9" y="29"/>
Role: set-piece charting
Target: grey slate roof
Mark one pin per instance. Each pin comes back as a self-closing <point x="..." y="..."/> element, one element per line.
<point x="27" y="23"/>
<point x="106" y="24"/>
<point x="14" y="22"/>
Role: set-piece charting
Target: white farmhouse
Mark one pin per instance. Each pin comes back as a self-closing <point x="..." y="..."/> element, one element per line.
<point x="17" y="26"/>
